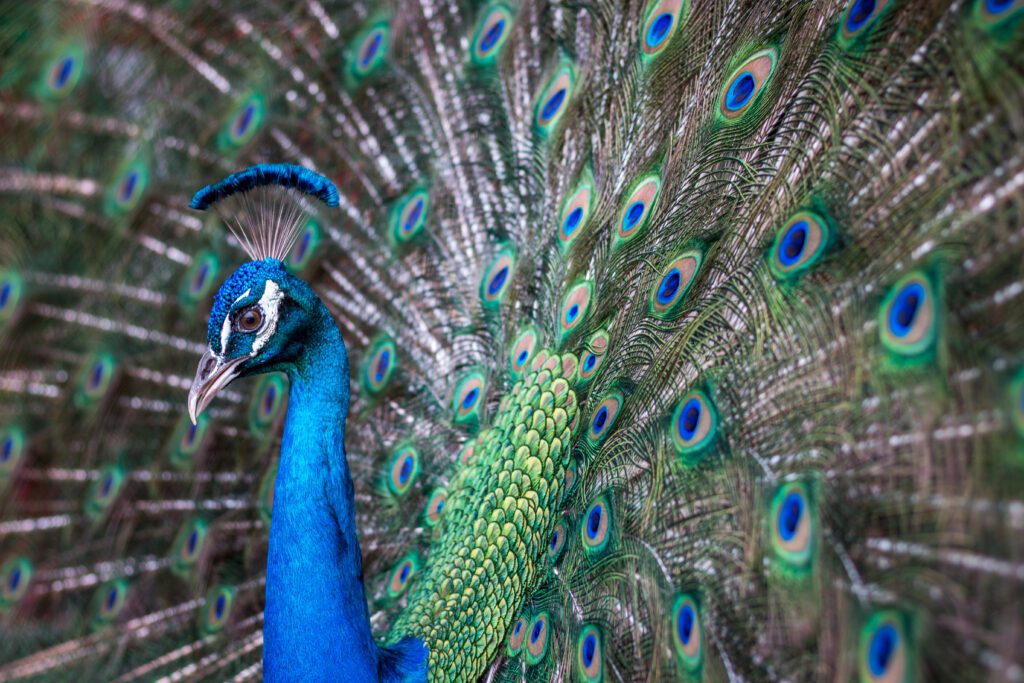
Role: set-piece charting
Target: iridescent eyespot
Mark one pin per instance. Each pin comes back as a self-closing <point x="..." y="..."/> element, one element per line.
<point x="858" y="17"/>
<point x="516" y="636"/>
<point x="996" y="13"/>
<point x="401" y="575"/>
<point x="216" y="609"/>
<point x="603" y="419"/>
<point x="574" y="215"/>
<point x="188" y="545"/>
<point x="908" y="323"/>
<point x="496" y="278"/>
<point x="435" y="506"/>
<point x="884" y="651"/>
<point x="746" y="84"/>
<point x="637" y="208"/>
<point x="675" y="282"/>
<point x="593" y="354"/>
<point x="266" y="493"/>
<point x="557" y="541"/>
<point x="468" y="398"/>
<point x="199" y="278"/>
<point x="304" y="250"/>
<point x="243" y="122"/>
<point x="687" y="633"/>
<point x="403" y="468"/>
<point x="103" y="491"/>
<point x="62" y="72"/>
<point x="596" y="528"/>
<point x="522" y="351"/>
<point x="661" y="20"/>
<point x="15" y="577"/>
<point x="1016" y="407"/>
<point x="491" y="33"/>
<point x="109" y="601"/>
<point x="798" y="245"/>
<point x="589" y="660"/>
<point x="268" y="401"/>
<point x="11" y="290"/>
<point x="371" y="48"/>
<point x="95" y="379"/>
<point x="188" y="439"/>
<point x="410" y="215"/>
<point x="126" y="189"/>
<point x="12" y="449"/>
<point x="537" y="639"/>
<point x="575" y="307"/>
<point x="792" y="524"/>
<point x="554" y="99"/>
<point x="380" y="364"/>
<point x="694" y="424"/>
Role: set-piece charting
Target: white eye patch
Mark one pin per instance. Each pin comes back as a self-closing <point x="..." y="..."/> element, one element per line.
<point x="225" y="328"/>
<point x="270" y="302"/>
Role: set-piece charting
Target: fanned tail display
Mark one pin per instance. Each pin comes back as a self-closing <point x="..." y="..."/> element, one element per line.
<point x="685" y="337"/>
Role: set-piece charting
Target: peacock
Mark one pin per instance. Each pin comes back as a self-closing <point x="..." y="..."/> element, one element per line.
<point x="513" y="340"/>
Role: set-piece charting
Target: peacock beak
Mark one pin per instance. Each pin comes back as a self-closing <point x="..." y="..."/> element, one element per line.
<point x="213" y="374"/>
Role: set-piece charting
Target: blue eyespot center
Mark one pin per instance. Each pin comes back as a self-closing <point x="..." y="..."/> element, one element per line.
<point x="218" y="607"/>
<point x="492" y="35"/>
<point x="554" y="540"/>
<point x="689" y="418"/>
<point x="659" y="29"/>
<point x="571" y="314"/>
<point x="128" y="185"/>
<point x="5" y="453"/>
<point x="382" y="366"/>
<point x="553" y="104"/>
<point x="14" y="580"/>
<point x="521" y="358"/>
<point x="111" y="599"/>
<point x="998" y="6"/>
<point x="590" y="362"/>
<point x="594" y="522"/>
<point x="904" y="310"/>
<point x="439" y="506"/>
<point x="793" y="242"/>
<point x="633" y="215"/>
<point x="106" y="485"/>
<point x="5" y="293"/>
<point x="406" y="471"/>
<point x="300" y="252"/>
<point x="669" y="286"/>
<point x="859" y="14"/>
<point x="371" y="49"/>
<point x="268" y="399"/>
<point x="470" y="398"/>
<point x="882" y="648"/>
<point x="537" y="629"/>
<point x="740" y="92"/>
<point x="404" y="573"/>
<point x="589" y="649"/>
<point x="97" y="376"/>
<point x="64" y="70"/>
<point x="244" y="119"/>
<point x="193" y="541"/>
<point x="790" y="514"/>
<point x="519" y="627"/>
<point x="685" y="624"/>
<point x="572" y="221"/>
<point x="600" y="420"/>
<point x="414" y="215"/>
<point x="497" y="281"/>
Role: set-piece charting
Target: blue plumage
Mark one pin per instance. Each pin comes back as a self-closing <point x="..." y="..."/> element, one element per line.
<point x="262" y="175"/>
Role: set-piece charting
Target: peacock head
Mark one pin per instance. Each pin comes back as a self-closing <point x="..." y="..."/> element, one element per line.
<point x="262" y="318"/>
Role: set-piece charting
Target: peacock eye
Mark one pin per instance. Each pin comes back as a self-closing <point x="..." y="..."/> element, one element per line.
<point x="250" y="319"/>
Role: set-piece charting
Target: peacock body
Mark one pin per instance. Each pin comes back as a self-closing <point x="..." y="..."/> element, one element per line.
<point x="679" y="340"/>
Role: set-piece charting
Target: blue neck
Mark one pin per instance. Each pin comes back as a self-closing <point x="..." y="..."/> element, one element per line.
<point x="317" y="627"/>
